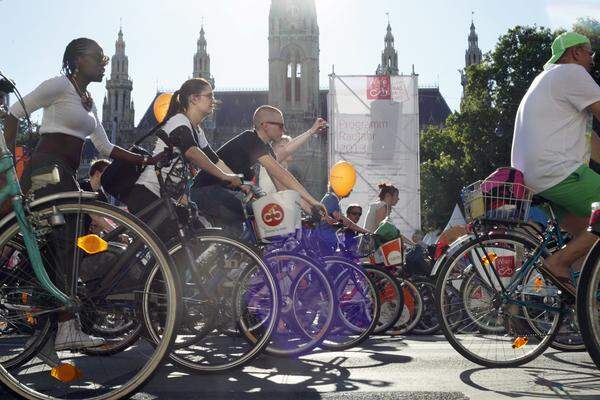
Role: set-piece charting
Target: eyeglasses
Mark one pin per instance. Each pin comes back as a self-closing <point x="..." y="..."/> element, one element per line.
<point x="355" y="213"/>
<point x="281" y="125"/>
<point x="99" y="58"/>
<point x="210" y="95"/>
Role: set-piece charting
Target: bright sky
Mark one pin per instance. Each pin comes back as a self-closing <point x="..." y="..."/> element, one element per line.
<point x="161" y="37"/>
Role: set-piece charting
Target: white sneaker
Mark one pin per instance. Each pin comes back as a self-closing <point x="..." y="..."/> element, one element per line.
<point x="70" y="337"/>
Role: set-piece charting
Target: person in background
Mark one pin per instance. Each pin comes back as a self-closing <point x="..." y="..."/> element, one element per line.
<point x="326" y="232"/>
<point x="353" y="213"/>
<point x="377" y="211"/>
<point x="284" y="149"/>
<point x="92" y="184"/>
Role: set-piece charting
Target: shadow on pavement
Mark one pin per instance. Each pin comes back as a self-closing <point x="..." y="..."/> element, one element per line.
<point x="549" y="382"/>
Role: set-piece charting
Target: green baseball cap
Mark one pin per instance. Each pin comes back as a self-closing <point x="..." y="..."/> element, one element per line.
<point x="563" y="42"/>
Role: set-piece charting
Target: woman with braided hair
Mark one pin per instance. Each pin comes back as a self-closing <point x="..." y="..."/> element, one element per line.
<point x="69" y="116"/>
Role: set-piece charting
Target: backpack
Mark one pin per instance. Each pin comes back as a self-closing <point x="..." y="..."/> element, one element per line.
<point x="504" y="182"/>
<point x="120" y="176"/>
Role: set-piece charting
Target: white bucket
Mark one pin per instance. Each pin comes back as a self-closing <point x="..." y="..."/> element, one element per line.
<point x="277" y="214"/>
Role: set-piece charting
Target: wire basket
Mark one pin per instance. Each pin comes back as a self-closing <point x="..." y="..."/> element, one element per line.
<point x="497" y="201"/>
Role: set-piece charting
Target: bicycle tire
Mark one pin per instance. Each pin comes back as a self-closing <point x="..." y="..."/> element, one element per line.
<point x="412" y="310"/>
<point x="588" y="303"/>
<point x="309" y="295"/>
<point x="149" y="357"/>
<point x="428" y="322"/>
<point x="356" y="317"/>
<point x="467" y="341"/>
<point x="210" y="350"/>
<point x="390" y="296"/>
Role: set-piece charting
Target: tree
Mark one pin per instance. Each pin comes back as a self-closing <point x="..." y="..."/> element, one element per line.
<point x="590" y="27"/>
<point x="477" y="139"/>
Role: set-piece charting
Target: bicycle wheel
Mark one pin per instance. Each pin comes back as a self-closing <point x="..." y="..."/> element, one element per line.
<point x="390" y="297"/>
<point x="74" y="373"/>
<point x="308" y="304"/>
<point x="429" y="322"/>
<point x="358" y="304"/>
<point x="412" y="310"/>
<point x="588" y="303"/>
<point x="230" y="304"/>
<point x="16" y="282"/>
<point x="494" y="332"/>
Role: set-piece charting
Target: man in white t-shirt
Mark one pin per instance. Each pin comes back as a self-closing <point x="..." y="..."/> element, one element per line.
<point x="551" y="143"/>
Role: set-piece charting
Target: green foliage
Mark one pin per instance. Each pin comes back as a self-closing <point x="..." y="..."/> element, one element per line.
<point x="590" y="27"/>
<point x="477" y="140"/>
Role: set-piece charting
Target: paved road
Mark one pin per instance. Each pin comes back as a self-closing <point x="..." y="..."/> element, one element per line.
<point x="417" y="368"/>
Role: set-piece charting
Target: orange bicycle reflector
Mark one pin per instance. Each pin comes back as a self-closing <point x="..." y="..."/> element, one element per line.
<point x="538" y="283"/>
<point x="520" y="342"/>
<point x="489" y="258"/>
<point x="92" y="244"/>
<point x="66" y="373"/>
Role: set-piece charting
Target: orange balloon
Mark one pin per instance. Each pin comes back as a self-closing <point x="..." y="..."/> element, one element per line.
<point x="342" y="178"/>
<point x="161" y="106"/>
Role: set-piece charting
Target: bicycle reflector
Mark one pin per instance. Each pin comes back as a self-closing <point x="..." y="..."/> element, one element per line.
<point x="489" y="258"/>
<point x="520" y="342"/>
<point x="66" y="373"/>
<point x="594" y="223"/>
<point x="92" y="244"/>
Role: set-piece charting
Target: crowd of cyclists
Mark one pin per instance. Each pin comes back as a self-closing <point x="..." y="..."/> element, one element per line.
<point x="167" y="283"/>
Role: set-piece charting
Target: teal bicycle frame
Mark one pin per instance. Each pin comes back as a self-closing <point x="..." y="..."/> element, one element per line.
<point x="12" y="190"/>
<point x="551" y="232"/>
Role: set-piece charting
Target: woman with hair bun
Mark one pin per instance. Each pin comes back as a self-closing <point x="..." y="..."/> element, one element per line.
<point x="378" y="210"/>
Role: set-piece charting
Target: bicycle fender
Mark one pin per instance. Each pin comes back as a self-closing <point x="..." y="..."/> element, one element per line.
<point x="46" y="199"/>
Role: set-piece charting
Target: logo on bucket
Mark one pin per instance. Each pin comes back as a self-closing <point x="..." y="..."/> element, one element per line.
<point x="272" y="214"/>
<point x="378" y="87"/>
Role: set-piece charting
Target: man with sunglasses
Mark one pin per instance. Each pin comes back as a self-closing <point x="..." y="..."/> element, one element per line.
<point x="241" y="154"/>
<point x="551" y="144"/>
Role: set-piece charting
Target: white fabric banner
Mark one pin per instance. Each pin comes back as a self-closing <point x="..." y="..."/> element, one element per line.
<point x="374" y="124"/>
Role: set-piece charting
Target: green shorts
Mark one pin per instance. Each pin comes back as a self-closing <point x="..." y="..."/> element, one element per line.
<point x="575" y="194"/>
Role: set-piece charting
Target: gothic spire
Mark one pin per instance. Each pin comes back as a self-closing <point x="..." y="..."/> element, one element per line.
<point x="389" y="55"/>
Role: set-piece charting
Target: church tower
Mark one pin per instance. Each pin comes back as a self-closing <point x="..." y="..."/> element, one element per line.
<point x="118" y="106"/>
<point x="472" y="55"/>
<point x="294" y="84"/>
<point x="389" y="55"/>
<point x="294" y="56"/>
<point x="202" y="59"/>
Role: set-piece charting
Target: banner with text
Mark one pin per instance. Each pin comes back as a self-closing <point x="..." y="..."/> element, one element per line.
<point x="374" y="124"/>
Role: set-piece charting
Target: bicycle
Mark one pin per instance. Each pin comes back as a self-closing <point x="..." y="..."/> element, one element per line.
<point x="227" y="288"/>
<point x="506" y="319"/>
<point x="100" y="296"/>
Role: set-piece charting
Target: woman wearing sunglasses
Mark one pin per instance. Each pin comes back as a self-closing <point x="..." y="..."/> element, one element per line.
<point x="69" y="116"/>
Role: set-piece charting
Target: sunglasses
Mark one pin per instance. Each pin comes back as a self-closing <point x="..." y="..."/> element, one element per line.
<point x="99" y="58"/>
<point x="355" y="213"/>
<point x="279" y="124"/>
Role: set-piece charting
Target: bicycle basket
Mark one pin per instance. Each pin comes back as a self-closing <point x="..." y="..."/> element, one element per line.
<point x="497" y="201"/>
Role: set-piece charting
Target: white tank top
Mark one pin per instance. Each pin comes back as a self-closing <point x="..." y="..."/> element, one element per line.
<point x="370" y="223"/>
